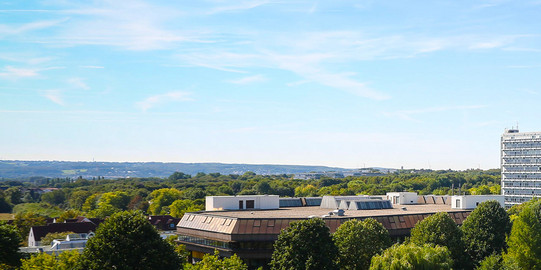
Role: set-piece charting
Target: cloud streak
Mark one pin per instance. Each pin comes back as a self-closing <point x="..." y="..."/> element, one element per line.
<point x="249" y="79"/>
<point x="78" y="83"/>
<point x="155" y="100"/>
<point x="6" y="30"/>
<point x="408" y="114"/>
<point x="54" y="96"/>
<point x="10" y="72"/>
<point x="245" y="5"/>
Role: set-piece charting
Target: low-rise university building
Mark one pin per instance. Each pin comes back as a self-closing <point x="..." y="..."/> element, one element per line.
<point x="250" y="233"/>
<point x="472" y="201"/>
<point x="241" y="202"/>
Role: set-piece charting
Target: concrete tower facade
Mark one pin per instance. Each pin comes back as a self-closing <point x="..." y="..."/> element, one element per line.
<point x="521" y="166"/>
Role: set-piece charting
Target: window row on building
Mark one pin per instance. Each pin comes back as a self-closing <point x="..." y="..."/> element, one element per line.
<point x="521" y="168"/>
<point x="523" y="152"/>
<point x="533" y="184"/>
<point x="521" y="160"/>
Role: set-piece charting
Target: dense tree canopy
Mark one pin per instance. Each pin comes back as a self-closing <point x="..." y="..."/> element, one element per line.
<point x="305" y="244"/>
<point x="126" y="240"/>
<point x="492" y="262"/>
<point x="213" y="262"/>
<point x="525" y="240"/>
<point x="179" y="207"/>
<point x="162" y="199"/>
<point x="411" y="257"/>
<point x="440" y="229"/>
<point x="99" y="197"/>
<point x="10" y="240"/>
<point x="358" y="241"/>
<point x="67" y="260"/>
<point x="485" y="231"/>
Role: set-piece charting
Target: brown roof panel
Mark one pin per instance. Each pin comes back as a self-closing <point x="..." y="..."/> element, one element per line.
<point x="249" y="226"/>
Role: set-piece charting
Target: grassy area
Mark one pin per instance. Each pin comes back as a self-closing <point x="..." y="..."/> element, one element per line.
<point x="38" y="208"/>
<point x="73" y="172"/>
<point x="6" y="216"/>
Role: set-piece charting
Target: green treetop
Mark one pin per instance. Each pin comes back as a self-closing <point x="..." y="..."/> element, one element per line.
<point x="358" y="241"/>
<point x="411" y="257"/>
<point x="127" y="241"/>
<point x="305" y="244"/>
<point x="525" y="239"/>
<point x="440" y="229"/>
<point x="10" y="240"/>
<point x="485" y="230"/>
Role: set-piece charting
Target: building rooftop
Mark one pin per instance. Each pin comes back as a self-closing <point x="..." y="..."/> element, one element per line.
<point x="304" y="212"/>
<point x="266" y="224"/>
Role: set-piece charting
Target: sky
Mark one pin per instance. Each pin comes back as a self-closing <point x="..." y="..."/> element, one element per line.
<point x="413" y="84"/>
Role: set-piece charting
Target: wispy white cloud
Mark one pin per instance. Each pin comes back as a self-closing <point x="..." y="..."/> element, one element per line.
<point x="222" y="60"/>
<point x="6" y="29"/>
<point x="10" y="72"/>
<point x="531" y="92"/>
<point x="133" y="25"/>
<point x="13" y="72"/>
<point x="314" y="56"/>
<point x="152" y="101"/>
<point x="24" y="58"/>
<point x="249" y="79"/>
<point x="78" y="83"/>
<point x="409" y="114"/>
<point x="238" y="6"/>
<point x="296" y="83"/>
<point x="313" y="8"/>
<point x="92" y="67"/>
<point x="54" y="96"/>
<point x="523" y="66"/>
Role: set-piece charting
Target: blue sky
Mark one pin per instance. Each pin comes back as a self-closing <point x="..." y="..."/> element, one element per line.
<point x="419" y="84"/>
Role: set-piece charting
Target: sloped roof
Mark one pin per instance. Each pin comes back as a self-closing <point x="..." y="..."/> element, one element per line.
<point x="163" y="219"/>
<point x="236" y="225"/>
<point x="76" y="227"/>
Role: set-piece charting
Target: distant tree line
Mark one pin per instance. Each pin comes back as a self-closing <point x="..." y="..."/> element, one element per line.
<point x="180" y="193"/>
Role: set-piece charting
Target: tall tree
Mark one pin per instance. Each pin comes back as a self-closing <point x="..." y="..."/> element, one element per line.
<point x="215" y="263"/>
<point x="358" y="241"/>
<point x="525" y="239"/>
<point x="127" y="241"/>
<point x="162" y="198"/>
<point x="77" y="199"/>
<point x="492" y="262"/>
<point x="305" y="244"/>
<point x="179" y="207"/>
<point x="10" y="240"/>
<point x="26" y="221"/>
<point x="5" y="207"/>
<point x="67" y="260"/>
<point x="55" y="197"/>
<point x="440" y="229"/>
<point x="411" y="256"/>
<point x="485" y="230"/>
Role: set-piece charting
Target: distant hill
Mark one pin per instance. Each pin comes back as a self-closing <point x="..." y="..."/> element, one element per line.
<point x="24" y="169"/>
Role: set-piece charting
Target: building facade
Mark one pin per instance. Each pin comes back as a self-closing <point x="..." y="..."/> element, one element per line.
<point x="250" y="233"/>
<point x="520" y="166"/>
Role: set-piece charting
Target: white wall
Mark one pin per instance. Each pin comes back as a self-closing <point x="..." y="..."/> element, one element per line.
<point x="471" y="201"/>
<point x="213" y="203"/>
<point x="402" y="198"/>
